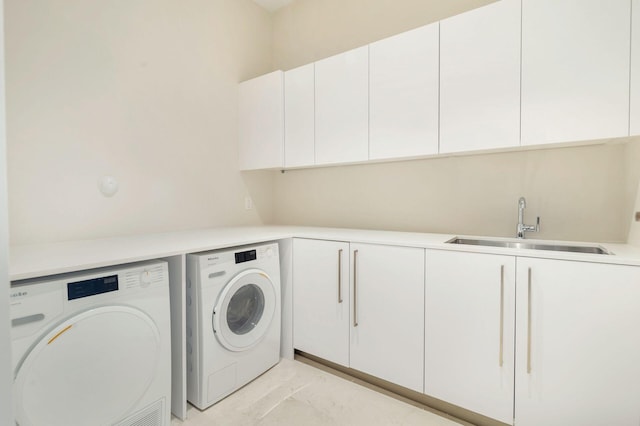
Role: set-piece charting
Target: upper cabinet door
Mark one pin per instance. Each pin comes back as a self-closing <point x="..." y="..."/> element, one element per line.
<point x="261" y="118"/>
<point x="403" y="94"/>
<point x="480" y="78"/>
<point x="575" y="70"/>
<point x="634" y="126"/>
<point x="342" y="107"/>
<point x="299" y="123"/>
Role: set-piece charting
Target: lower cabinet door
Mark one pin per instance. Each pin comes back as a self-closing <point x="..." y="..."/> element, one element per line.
<point x="387" y="314"/>
<point x="577" y="344"/>
<point x="321" y="299"/>
<point x="469" y="331"/>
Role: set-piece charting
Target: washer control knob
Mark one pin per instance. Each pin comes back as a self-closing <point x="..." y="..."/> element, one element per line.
<point x="269" y="253"/>
<point x="145" y="278"/>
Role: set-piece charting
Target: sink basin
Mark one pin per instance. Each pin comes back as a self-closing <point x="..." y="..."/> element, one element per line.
<point x="531" y="245"/>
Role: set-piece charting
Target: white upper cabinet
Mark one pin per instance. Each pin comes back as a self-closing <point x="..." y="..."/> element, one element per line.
<point x="480" y="78"/>
<point x="261" y="118"/>
<point x="342" y="107"/>
<point x="634" y="126"/>
<point x="403" y="94"/>
<point x="575" y="70"/>
<point x="299" y="122"/>
<point x="512" y="73"/>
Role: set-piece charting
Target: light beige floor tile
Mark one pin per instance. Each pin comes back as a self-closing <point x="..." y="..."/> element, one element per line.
<point x="292" y="393"/>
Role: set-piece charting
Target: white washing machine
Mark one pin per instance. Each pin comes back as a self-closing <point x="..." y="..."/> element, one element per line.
<point x="233" y="319"/>
<point x="93" y="348"/>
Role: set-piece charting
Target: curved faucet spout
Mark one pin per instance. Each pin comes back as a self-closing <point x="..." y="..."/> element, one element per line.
<point x="522" y="204"/>
<point x="522" y="228"/>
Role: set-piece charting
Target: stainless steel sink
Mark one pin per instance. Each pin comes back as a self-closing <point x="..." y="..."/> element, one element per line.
<point x="531" y="245"/>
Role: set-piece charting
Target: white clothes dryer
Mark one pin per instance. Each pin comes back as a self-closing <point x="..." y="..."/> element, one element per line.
<point x="93" y="348"/>
<point x="233" y="319"/>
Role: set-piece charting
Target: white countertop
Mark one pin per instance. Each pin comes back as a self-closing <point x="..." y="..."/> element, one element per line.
<point x="36" y="260"/>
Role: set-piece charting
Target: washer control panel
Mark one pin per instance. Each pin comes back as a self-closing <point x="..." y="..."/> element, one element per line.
<point x="245" y="256"/>
<point x="239" y="256"/>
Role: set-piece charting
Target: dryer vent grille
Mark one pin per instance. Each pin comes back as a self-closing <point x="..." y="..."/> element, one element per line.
<point x="149" y="416"/>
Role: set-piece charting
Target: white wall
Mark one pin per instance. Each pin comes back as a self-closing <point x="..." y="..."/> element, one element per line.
<point x="144" y="90"/>
<point x="634" y="228"/>
<point x="633" y="191"/>
<point x="308" y="30"/>
<point x="581" y="193"/>
<point x="6" y="417"/>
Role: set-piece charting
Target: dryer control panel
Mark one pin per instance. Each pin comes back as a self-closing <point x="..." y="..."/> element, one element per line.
<point x="36" y="302"/>
<point x="91" y="287"/>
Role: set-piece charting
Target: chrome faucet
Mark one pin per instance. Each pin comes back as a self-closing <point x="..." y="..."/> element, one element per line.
<point x="522" y="228"/>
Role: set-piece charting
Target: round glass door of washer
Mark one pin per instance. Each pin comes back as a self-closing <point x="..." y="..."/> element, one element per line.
<point x="244" y="310"/>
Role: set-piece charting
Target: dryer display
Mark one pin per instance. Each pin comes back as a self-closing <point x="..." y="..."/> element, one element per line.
<point x="86" y="288"/>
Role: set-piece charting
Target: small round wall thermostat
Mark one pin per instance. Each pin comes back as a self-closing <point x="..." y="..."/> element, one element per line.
<point x="108" y="186"/>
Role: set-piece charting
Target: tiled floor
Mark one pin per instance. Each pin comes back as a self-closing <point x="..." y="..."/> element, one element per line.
<point x="293" y="393"/>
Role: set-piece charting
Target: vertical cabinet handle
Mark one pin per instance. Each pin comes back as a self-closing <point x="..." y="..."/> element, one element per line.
<point x="501" y="356"/>
<point x="529" y="322"/>
<point x="355" y="288"/>
<point x="340" y="276"/>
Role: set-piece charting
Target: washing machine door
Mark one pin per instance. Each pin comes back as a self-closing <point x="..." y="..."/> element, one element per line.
<point x="245" y="308"/>
<point x="90" y="370"/>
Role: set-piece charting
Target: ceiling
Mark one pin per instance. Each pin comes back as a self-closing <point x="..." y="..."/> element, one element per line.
<point x="273" y="5"/>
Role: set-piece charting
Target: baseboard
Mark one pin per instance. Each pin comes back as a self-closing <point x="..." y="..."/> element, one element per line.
<point x="434" y="405"/>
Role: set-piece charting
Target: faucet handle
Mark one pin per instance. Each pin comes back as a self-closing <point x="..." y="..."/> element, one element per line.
<point x="538" y="224"/>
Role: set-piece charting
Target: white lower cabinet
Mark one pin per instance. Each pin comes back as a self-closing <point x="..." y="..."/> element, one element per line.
<point x="387" y="327"/>
<point x="469" y="331"/>
<point x="321" y="299"/>
<point x="516" y="339"/>
<point x="577" y="344"/>
<point x="372" y="319"/>
<point x="576" y="354"/>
